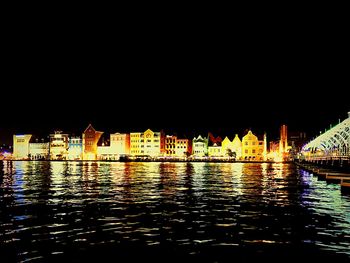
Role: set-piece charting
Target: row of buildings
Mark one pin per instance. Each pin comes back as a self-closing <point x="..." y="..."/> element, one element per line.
<point x="61" y="146"/>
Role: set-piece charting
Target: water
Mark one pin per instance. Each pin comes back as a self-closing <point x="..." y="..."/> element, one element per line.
<point x="168" y="212"/>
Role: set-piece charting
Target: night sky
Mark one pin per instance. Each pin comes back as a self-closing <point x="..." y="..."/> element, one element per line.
<point x="183" y="82"/>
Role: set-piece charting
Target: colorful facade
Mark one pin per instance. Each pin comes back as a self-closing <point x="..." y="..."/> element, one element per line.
<point x="120" y="143"/>
<point x="39" y="150"/>
<point x="58" y="146"/>
<point x="75" y="148"/>
<point x="236" y="147"/>
<point x="90" y="140"/>
<point x="170" y="145"/>
<point x="183" y="147"/>
<point x="252" y="148"/>
<point x="21" y="146"/>
<point x="215" y="150"/>
<point x="148" y="143"/>
<point x="200" y="146"/>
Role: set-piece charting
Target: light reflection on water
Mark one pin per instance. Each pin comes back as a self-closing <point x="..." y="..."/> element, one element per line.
<point x="210" y="212"/>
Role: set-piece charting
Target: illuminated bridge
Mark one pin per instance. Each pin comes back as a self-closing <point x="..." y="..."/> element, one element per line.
<point x="330" y="147"/>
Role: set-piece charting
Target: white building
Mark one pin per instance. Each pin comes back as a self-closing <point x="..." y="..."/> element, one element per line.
<point x="21" y="146"/>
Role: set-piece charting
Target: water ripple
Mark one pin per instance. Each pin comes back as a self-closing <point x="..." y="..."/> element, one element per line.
<point x="207" y="212"/>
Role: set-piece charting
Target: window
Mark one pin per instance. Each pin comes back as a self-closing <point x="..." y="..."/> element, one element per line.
<point x="253" y="151"/>
<point x="246" y="151"/>
<point x="246" y="143"/>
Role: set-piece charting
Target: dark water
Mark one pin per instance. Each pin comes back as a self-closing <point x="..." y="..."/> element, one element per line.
<point x="169" y="212"/>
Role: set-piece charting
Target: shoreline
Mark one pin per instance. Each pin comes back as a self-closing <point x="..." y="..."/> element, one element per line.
<point x="152" y="160"/>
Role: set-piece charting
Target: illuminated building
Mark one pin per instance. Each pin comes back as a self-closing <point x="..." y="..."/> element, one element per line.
<point x="183" y="147"/>
<point x="21" y="146"/>
<point x="233" y="149"/>
<point x="215" y="150"/>
<point x="148" y="143"/>
<point x="58" y="146"/>
<point x="252" y="148"/>
<point x="90" y="140"/>
<point x="199" y="146"/>
<point x="226" y="145"/>
<point x="136" y="143"/>
<point x="214" y="146"/>
<point x="39" y="150"/>
<point x="75" y="148"/>
<point x="170" y="145"/>
<point x="120" y="143"/>
<point x="236" y="147"/>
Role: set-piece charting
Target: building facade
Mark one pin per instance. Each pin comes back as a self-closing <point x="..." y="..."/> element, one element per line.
<point x="148" y="143"/>
<point x="252" y="148"/>
<point x="200" y="146"/>
<point x="170" y="145"/>
<point x="58" y="146"/>
<point x="236" y="147"/>
<point x="120" y="143"/>
<point x="183" y="147"/>
<point x="39" y="150"/>
<point x="21" y="146"/>
<point x="90" y="140"/>
<point x="75" y="148"/>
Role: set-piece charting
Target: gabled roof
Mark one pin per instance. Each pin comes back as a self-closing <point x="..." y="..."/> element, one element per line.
<point x="92" y="128"/>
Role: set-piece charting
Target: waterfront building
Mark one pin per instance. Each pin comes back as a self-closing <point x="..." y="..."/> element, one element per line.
<point x="215" y="150"/>
<point x="104" y="151"/>
<point x="58" y="146"/>
<point x="90" y="140"/>
<point x="214" y="146"/>
<point x="147" y="143"/>
<point x="136" y="143"/>
<point x="226" y="146"/>
<point x="236" y="147"/>
<point x="75" y="148"/>
<point x="39" y="149"/>
<point x="199" y="146"/>
<point x="120" y="143"/>
<point x="252" y="148"/>
<point x="170" y="145"/>
<point x="21" y="146"/>
<point x="183" y="147"/>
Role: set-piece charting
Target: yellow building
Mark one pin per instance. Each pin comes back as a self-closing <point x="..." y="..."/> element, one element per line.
<point x="215" y="150"/>
<point x="252" y="148"/>
<point x="21" y="146"/>
<point x="147" y="143"/>
<point x="236" y="147"/>
<point x="226" y="145"/>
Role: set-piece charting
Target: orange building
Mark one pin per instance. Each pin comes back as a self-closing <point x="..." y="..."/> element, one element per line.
<point x="90" y="140"/>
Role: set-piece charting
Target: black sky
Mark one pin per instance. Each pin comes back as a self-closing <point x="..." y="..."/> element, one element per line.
<point x="197" y="79"/>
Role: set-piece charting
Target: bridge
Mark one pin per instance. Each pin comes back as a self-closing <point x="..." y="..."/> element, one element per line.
<point x="331" y="147"/>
